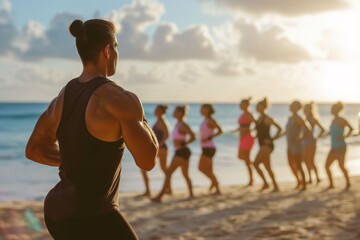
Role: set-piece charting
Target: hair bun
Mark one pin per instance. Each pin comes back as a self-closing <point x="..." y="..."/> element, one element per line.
<point x="77" y="28"/>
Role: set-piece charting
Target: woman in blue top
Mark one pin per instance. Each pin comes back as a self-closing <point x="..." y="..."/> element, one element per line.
<point x="338" y="144"/>
<point x="161" y="131"/>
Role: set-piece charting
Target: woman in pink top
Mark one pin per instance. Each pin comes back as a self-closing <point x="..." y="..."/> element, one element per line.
<point x="246" y="139"/>
<point x="182" y="136"/>
<point x="208" y="130"/>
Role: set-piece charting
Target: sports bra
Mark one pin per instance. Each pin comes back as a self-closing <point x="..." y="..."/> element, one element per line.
<point x="244" y="121"/>
<point x="176" y="135"/>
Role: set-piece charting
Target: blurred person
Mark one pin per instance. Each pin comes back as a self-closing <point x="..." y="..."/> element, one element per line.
<point x="309" y="140"/>
<point x="246" y="140"/>
<point x="338" y="144"/>
<point x="161" y="131"/>
<point x="266" y="143"/>
<point x="209" y="129"/>
<point x="295" y="129"/>
<point x="182" y="136"/>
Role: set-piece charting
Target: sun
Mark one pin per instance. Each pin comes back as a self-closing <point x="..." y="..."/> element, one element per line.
<point x="340" y="76"/>
<point x="339" y="81"/>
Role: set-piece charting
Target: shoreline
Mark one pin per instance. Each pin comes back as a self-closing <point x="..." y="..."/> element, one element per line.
<point x="239" y="213"/>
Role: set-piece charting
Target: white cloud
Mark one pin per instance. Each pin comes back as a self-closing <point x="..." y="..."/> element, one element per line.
<point x="134" y="76"/>
<point x="190" y="73"/>
<point x="231" y="68"/>
<point x="5" y="6"/>
<point x="132" y="20"/>
<point x="167" y="44"/>
<point x="8" y="33"/>
<point x="34" y="42"/>
<point x="55" y="42"/>
<point x="289" y="8"/>
<point x="269" y="45"/>
<point x="193" y="43"/>
<point x="33" y="74"/>
<point x="226" y="37"/>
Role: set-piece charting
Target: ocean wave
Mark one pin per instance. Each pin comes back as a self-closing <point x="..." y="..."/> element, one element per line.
<point x="7" y="157"/>
<point x="20" y="116"/>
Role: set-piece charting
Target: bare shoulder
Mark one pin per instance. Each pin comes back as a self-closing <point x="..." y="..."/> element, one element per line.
<point x="268" y="120"/>
<point x="55" y="107"/>
<point x="162" y="123"/>
<point x="212" y="122"/>
<point x="121" y="102"/>
<point x="343" y="121"/>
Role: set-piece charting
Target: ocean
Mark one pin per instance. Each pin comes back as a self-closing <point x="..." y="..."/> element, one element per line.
<point x="21" y="179"/>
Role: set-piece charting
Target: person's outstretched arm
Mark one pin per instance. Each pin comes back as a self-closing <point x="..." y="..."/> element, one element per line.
<point x="137" y="134"/>
<point x="42" y="145"/>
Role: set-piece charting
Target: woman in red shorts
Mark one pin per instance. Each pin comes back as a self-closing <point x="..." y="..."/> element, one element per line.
<point x="246" y="139"/>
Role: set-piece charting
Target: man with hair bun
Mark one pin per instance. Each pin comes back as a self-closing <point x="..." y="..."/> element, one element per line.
<point x="84" y="131"/>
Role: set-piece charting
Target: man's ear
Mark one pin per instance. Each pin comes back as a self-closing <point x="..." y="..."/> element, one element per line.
<point x="107" y="51"/>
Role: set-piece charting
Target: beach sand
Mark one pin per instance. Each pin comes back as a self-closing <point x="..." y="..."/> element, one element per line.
<point x="239" y="213"/>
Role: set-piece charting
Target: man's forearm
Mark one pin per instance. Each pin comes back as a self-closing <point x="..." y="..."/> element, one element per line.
<point x="45" y="154"/>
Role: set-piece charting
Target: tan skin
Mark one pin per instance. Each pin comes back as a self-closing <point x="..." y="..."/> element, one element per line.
<point x="244" y="130"/>
<point x="206" y="163"/>
<point x="162" y="126"/>
<point x="178" y="161"/>
<point x="263" y="156"/>
<point x="309" y="150"/>
<point x="338" y="154"/>
<point x="296" y="159"/>
<point x="112" y="113"/>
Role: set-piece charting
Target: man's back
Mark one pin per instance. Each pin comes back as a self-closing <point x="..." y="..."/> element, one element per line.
<point x="90" y="167"/>
<point x="83" y="131"/>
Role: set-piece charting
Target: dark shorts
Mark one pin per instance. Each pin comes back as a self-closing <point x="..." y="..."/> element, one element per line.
<point x="105" y="226"/>
<point x="209" y="152"/>
<point x="338" y="152"/>
<point x="183" y="153"/>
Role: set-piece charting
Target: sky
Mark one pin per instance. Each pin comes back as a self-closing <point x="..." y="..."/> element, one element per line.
<point x="190" y="50"/>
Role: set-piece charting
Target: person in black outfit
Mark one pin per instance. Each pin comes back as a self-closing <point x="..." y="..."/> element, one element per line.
<point x="84" y="131"/>
<point x="266" y="143"/>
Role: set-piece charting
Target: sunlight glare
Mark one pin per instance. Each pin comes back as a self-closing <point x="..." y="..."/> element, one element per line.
<point x="340" y="81"/>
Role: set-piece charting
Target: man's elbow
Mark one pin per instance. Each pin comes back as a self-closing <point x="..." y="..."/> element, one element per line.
<point x="148" y="166"/>
<point x="30" y="152"/>
<point x="148" y="161"/>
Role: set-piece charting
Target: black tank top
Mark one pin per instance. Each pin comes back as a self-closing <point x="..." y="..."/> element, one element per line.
<point x="90" y="168"/>
<point x="263" y="131"/>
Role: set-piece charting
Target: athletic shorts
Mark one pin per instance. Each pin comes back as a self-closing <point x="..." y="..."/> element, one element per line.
<point x="183" y="153"/>
<point x="209" y="152"/>
<point x="246" y="142"/>
<point x="111" y="226"/>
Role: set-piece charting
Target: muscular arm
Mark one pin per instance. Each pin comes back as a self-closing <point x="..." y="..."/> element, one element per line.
<point x="42" y="145"/>
<point x="137" y="134"/>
